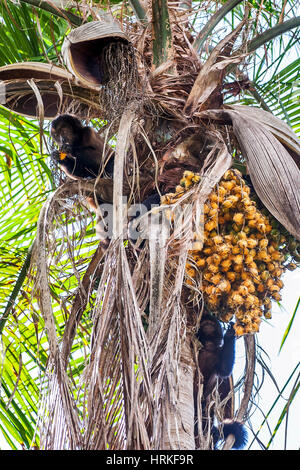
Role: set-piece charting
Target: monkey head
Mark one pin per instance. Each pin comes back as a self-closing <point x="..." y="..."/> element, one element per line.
<point x="210" y="330"/>
<point x="65" y="129"/>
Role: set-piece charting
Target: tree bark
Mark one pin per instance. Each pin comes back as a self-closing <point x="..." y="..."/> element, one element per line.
<point x="179" y="426"/>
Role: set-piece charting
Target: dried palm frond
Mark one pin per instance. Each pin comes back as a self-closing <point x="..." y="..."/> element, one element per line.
<point x="126" y="366"/>
<point x="55" y="85"/>
<point x="271" y="150"/>
<point x="274" y="173"/>
<point x="36" y="70"/>
<point x="63" y="431"/>
<point x="26" y="98"/>
<point x="118" y="365"/>
<point x="203" y="94"/>
<point x="277" y="127"/>
<point x="83" y="47"/>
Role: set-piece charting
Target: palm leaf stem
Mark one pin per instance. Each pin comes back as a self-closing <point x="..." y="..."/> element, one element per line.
<point x="212" y="23"/>
<point x="267" y="36"/>
<point x="259" y="98"/>
<point x="162" y="33"/>
<point x="139" y="11"/>
<point x="66" y="15"/>
<point x="272" y="33"/>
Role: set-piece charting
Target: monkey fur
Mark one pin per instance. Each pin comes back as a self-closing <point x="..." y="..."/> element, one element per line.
<point x="228" y="427"/>
<point x="80" y="154"/>
<point x="216" y="360"/>
<point x="216" y="357"/>
<point x="80" y="151"/>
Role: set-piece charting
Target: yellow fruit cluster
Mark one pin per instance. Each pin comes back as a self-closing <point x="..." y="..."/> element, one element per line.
<point x="239" y="266"/>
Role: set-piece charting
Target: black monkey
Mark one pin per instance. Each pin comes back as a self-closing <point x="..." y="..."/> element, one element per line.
<point x="80" y="154"/>
<point x="216" y="357"/>
<point x="80" y="148"/>
<point x="216" y="360"/>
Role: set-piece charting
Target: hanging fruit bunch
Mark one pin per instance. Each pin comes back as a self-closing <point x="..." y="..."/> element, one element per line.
<point x="239" y="267"/>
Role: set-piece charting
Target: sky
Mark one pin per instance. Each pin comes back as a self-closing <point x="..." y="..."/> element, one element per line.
<point x="282" y="363"/>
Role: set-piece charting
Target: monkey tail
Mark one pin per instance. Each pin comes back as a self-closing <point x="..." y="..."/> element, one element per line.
<point x="231" y="427"/>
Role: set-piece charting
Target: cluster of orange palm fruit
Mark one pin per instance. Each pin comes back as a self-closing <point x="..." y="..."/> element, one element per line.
<point x="239" y="265"/>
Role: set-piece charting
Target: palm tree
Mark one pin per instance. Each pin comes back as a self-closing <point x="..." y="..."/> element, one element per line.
<point x="103" y="338"/>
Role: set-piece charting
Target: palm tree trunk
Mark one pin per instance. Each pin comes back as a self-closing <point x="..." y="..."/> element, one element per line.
<point x="178" y="431"/>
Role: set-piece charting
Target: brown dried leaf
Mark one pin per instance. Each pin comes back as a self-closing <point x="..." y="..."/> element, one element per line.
<point x="274" y="173"/>
<point x="211" y="75"/>
<point x="276" y="126"/>
<point x="37" y="70"/>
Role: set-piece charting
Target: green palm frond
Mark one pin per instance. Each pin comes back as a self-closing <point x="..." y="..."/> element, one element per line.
<point x="23" y="37"/>
<point x="280" y="94"/>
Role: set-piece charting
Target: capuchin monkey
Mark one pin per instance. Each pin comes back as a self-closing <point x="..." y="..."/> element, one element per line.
<point x="216" y="360"/>
<point x="80" y="151"/>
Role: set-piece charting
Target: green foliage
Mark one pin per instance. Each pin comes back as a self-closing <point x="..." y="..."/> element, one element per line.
<point x="280" y="94"/>
<point x="24" y="187"/>
<point x="28" y="34"/>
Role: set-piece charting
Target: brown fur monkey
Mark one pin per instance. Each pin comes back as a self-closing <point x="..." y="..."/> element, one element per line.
<point x="81" y="154"/>
<point x="80" y="151"/>
<point x="216" y="360"/>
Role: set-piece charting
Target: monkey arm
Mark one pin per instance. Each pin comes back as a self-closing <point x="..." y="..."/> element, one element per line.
<point x="76" y="162"/>
<point x="68" y="162"/>
<point x="81" y="149"/>
<point x="227" y="354"/>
